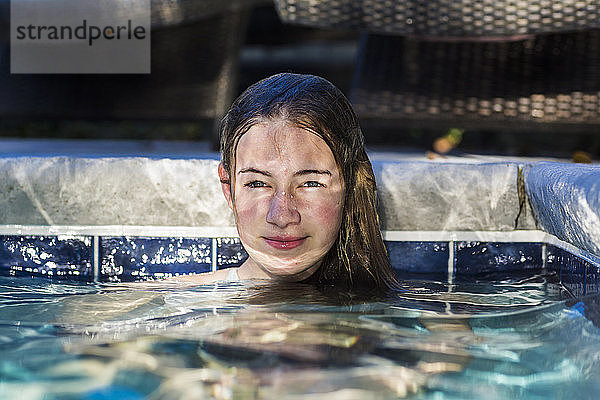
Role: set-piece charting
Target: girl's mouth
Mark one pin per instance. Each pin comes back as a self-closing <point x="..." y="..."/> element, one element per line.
<point x="285" y="243"/>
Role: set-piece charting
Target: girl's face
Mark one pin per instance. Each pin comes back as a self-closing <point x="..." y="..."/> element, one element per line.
<point x="288" y="200"/>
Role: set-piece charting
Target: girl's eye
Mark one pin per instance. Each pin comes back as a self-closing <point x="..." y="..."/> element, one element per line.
<point x="255" y="184"/>
<point x="312" y="184"/>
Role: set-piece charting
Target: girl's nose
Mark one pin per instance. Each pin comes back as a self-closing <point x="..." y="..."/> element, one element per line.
<point x="282" y="210"/>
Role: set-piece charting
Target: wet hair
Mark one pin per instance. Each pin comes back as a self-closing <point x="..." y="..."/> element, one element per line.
<point x="358" y="257"/>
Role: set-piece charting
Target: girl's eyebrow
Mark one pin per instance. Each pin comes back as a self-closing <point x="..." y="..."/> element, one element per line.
<point x="313" y="171"/>
<point x="254" y="170"/>
<point x="297" y="173"/>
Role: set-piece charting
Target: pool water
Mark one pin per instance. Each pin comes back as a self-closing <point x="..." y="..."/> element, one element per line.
<point x="493" y="337"/>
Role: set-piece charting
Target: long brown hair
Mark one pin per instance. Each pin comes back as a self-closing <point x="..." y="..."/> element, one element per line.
<point x="358" y="258"/>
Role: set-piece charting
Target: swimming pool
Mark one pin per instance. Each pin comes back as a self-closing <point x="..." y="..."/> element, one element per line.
<point x="498" y="335"/>
<point x="500" y="297"/>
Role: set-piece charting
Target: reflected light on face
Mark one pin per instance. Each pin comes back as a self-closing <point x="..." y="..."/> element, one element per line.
<point x="288" y="201"/>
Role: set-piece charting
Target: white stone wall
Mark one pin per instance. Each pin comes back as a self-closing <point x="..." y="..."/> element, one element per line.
<point x="111" y="191"/>
<point x="566" y="201"/>
<point x="450" y="196"/>
<point x="186" y="192"/>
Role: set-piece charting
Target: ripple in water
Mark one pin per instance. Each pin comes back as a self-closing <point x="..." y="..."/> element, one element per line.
<point x="510" y="337"/>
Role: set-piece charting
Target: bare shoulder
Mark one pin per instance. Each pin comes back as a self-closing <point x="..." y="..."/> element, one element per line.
<point x="204" y="278"/>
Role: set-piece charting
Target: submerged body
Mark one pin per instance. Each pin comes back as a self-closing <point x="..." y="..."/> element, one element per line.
<point x="158" y="340"/>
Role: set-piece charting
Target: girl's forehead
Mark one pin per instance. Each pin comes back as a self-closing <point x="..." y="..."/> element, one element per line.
<point x="279" y="131"/>
<point x="281" y="141"/>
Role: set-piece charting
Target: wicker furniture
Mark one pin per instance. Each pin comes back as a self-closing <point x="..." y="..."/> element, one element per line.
<point x="194" y="55"/>
<point x="470" y="63"/>
<point x="459" y="18"/>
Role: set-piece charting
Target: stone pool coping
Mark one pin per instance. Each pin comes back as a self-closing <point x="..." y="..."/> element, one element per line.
<point x="413" y="195"/>
<point x="566" y="201"/>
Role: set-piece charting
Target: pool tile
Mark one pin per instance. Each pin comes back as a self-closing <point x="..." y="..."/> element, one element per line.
<point x="59" y="257"/>
<point x="135" y="258"/>
<point x="592" y="279"/>
<point x="493" y="257"/>
<point x="570" y="268"/>
<point x="554" y="257"/>
<point x="230" y="252"/>
<point x="419" y="257"/>
<point x="572" y="274"/>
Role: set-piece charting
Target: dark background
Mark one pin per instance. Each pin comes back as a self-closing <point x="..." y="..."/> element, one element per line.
<point x="270" y="46"/>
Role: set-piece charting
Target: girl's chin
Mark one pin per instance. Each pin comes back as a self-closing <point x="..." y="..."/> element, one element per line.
<point x="285" y="258"/>
<point x="276" y="265"/>
<point x="285" y="268"/>
<point x="298" y="271"/>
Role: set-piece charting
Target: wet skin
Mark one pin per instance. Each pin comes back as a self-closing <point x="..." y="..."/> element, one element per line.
<point x="287" y="199"/>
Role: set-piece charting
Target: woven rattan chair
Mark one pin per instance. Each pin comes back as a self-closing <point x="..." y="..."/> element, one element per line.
<point x="442" y="18"/>
<point x="194" y="55"/>
<point x="479" y="63"/>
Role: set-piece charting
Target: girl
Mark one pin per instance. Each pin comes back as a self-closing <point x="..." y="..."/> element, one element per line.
<point x="296" y="175"/>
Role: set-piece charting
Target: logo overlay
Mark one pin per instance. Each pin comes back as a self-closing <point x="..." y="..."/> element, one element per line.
<point x="80" y="37"/>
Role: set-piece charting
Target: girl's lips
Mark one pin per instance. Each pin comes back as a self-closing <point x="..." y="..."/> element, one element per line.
<point x="284" y="243"/>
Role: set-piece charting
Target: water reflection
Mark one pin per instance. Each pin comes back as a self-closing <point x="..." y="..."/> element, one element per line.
<point x="170" y="341"/>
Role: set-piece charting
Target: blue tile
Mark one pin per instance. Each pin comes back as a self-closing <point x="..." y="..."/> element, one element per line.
<point x="419" y="257"/>
<point x="135" y="258"/>
<point x="554" y="256"/>
<point x="570" y="268"/>
<point x="572" y="273"/>
<point x="230" y="252"/>
<point x="60" y="257"/>
<point x="592" y="279"/>
<point x="577" y="275"/>
<point x="496" y="257"/>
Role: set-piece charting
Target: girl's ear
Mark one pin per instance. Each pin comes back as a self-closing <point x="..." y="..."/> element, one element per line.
<point x="225" y="184"/>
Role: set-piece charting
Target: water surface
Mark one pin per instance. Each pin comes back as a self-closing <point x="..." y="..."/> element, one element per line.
<point x="492" y="337"/>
